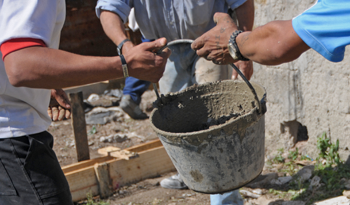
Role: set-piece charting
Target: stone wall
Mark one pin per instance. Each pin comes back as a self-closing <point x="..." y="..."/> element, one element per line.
<point x="306" y="97"/>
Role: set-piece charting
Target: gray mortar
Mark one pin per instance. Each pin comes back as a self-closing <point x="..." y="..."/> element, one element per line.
<point x="213" y="133"/>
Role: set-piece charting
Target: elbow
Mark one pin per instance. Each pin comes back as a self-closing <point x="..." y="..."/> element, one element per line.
<point x="16" y="76"/>
<point x="16" y="79"/>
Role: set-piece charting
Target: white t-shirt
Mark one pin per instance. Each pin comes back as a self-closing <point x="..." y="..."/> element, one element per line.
<point x="23" y="111"/>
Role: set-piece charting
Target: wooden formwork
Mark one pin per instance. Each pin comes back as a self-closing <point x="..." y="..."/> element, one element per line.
<point x="101" y="176"/>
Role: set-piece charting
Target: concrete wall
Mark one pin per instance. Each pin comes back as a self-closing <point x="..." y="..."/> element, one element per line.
<point x="309" y="91"/>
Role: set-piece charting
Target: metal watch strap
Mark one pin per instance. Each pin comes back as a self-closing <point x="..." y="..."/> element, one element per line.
<point x="124" y="66"/>
<point x="234" y="43"/>
<point x="120" y="46"/>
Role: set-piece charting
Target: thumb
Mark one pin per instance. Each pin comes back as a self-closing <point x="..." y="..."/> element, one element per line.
<point x="218" y="16"/>
<point x="155" y="45"/>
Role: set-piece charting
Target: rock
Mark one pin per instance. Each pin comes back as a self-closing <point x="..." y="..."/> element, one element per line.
<point x="315" y="182"/>
<point x="261" y="180"/>
<point x="347" y="184"/>
<point x="92" y="98"/>
<point x="72" y="143"/>
<point x="293" y="203"/>
<point x="105" y="101"/>
<point x="305" y="173"/>
<point x="120" y="138"/>
<point x="103" y="139"/>
<point x="246" y="193"/>
<point x="257" y="191"/>
<point x="101" y="115"/>
<point x="114" y="138"/>
<point x="114" y="92"/>
<point x="340" y="200"/>
<point x="133" y="134"/>
<point x="281" y="180"/>
<point x="110" y="139"/>
<point x="346" y="193"/>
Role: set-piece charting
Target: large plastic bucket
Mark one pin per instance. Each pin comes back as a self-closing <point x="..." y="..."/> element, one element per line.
<point x="212" y="148"/>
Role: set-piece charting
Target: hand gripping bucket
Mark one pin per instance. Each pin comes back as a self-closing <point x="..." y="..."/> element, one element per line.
<point x="214" y="134"/>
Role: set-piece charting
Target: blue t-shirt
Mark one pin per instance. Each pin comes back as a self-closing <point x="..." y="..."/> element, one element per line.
<point x="325" y="27"/>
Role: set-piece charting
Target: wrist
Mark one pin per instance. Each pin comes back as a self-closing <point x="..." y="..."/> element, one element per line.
<point x="121" y="45"/>
<point x="233" y="47"/>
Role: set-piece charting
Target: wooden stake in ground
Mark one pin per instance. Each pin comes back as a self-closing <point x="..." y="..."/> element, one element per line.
<point x="79" y="126"/>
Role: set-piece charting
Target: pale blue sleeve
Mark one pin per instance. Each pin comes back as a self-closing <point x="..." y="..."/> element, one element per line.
<point x="325" y="28"/>
<point x="122" y="8"/>
<point x="233" y="4"/>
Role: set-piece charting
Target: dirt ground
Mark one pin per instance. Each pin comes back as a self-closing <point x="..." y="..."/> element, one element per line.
<point x="147" y="192"/>
<point x="144" y="192"/>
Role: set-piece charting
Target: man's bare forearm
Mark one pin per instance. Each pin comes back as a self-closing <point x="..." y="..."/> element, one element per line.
<point x="114" y="28"/>
<point x="41" y="67"/>
<point x="271" y="44"/>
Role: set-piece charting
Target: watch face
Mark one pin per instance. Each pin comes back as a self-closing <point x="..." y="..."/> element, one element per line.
<point x="232" y="51"/>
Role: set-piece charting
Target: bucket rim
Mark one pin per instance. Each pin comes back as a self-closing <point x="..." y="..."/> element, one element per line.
<point x="253" y="112"/>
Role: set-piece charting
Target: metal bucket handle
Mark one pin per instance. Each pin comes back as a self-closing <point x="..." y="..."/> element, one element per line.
<point x="250" y="86"/>
<point x="260" y="110"/>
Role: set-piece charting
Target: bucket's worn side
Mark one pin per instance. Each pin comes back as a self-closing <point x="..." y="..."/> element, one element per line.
<point x="222" y="162"/>
<point x="223" y="157"/>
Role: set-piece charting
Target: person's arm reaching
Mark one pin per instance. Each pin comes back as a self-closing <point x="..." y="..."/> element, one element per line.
<point x="271" y="44"/>
<point x="41" y="67"/>
<point x="114" y="28"/>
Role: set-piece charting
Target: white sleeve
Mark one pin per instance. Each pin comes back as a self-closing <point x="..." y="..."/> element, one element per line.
<point x="30" y="19"/>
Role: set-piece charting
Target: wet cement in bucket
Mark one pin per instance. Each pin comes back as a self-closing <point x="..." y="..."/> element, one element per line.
<point x="203" y="107"/>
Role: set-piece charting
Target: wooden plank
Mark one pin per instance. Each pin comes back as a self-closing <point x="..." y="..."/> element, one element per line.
<point x="82" y="183"/>
<point x="92" y="162"/>
<point x="88" y="89"/>
<point x="145" y="146"/>
<point x="150" y="163"/>
<point x="84" y="164"/>
<point x="117" y="153"/>
<point x="103" y="179"/>
<point x="79" y="126"/>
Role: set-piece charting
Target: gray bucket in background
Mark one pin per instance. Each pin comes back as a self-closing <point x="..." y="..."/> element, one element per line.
<point x="213" y="150"/>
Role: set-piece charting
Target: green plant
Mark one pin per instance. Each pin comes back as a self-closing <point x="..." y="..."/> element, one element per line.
<point x="93" y="130"/>
<point x="293" y="155"/>
<point x="328" y="151"/>
<point x="305" y="157"/>
<point x="329" y="168"/>
<point x="297" y="194"/>
<point x="291" y="168"/>
<point x="278" y="158"/>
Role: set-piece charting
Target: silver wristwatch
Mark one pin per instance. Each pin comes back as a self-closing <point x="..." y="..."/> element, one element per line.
<point x="233" y="48"/>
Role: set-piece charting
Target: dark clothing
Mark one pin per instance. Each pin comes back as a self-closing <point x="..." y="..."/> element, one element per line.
<point x="30" y="172"/>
